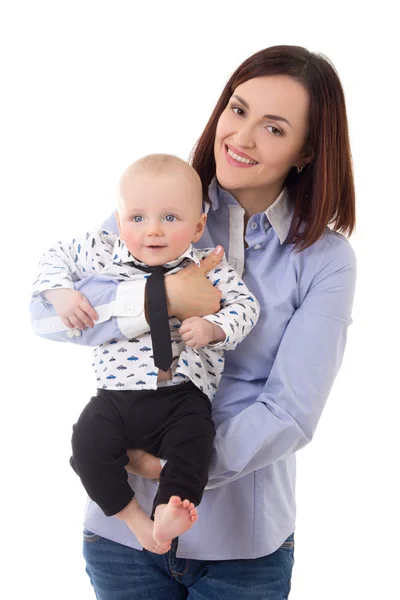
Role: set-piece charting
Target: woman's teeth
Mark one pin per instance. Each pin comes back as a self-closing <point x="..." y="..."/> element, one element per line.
<point x="241" y="158"/>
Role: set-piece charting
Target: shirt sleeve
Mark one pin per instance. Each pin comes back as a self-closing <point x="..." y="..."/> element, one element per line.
<point x="74" y="265"/>
<point x="67" y="262"/>
<point x="285" y="415"/>
<point x="239" y="308"/>
<point x="120" y="308"/>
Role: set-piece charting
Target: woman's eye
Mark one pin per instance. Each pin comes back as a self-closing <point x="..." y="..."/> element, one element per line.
<point x="170" y="218"/>
<point x="137" y="219"/>
<point x="237" y="110"/>
<point x="276" y="131"/>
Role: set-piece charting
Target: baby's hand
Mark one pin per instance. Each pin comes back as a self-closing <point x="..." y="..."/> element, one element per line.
<point x="73" y="308"/>
<point x="197" y="332"/>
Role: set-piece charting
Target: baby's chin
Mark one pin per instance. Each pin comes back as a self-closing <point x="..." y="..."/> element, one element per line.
<point x="156" y="256"/>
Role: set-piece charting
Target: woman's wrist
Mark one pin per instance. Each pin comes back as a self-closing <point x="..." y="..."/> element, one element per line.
<point x="169" y="295"/>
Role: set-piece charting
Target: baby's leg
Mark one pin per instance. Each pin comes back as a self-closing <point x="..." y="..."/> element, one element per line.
<point x="187" y="446"/>
<point x="99" y="452"/>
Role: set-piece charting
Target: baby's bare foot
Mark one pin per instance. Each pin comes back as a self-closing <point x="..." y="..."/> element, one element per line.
<point x="173" y="519"/>
<point x="145" y="536"/>
<point x="142" y="526"/>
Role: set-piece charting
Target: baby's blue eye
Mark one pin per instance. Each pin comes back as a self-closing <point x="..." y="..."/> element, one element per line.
<point x="169" y="218"/>
<point x="137" y="219"/>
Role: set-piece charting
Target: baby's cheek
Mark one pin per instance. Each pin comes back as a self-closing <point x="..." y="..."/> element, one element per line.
<point x="131" y="241"/>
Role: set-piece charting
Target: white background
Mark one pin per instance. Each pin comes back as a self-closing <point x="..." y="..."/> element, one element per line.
<point x="88" y="87"/>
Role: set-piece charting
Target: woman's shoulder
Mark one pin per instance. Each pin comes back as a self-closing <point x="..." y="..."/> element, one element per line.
<point x="330" y="258"/>
<point x="330" y="247"/>
<point x="338" y="247"/>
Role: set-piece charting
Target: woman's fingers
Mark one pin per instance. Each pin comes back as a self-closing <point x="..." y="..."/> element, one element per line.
<point x="189" y="293"/>
<point x="212" y="260"/>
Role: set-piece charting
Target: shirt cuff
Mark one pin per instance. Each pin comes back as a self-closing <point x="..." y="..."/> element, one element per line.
<point x="129" y="308"/>
<point x="222" y="343"/>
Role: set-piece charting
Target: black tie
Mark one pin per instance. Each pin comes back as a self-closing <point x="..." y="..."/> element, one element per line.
<point x="158" y="316"/>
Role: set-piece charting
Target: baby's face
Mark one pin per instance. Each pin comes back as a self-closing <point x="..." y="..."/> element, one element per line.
<point x="159" y="215"/>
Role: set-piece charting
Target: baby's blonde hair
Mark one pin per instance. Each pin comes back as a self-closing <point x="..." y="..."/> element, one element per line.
<point x="159" y="164"/>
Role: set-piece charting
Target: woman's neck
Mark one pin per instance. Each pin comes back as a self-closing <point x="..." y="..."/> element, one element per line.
<point x="256" y="201"/>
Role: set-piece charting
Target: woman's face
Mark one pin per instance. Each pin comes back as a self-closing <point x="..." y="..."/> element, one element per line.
<point x="261" y="134"/>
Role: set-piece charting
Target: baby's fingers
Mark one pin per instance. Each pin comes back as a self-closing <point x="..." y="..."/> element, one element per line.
<point x="67" y="322"/>
<point x="80" y="319"/>
<point x="186" y="337"/>
<point x="89" y="310"/>
<point x="185" y="328"/>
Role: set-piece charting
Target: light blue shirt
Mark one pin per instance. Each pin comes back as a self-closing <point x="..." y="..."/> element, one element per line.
<point x="274" y="386"/>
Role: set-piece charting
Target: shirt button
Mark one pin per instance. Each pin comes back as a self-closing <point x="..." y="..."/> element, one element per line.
<point x="130" y="310"/>
<point x="254" y="225"/>
<point x="71" y="333"/>
<point x="266" y="226"/>
<point x="257" y="247"/>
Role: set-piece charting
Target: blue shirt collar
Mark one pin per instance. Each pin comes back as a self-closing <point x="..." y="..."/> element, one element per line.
<point x="279" y="214"/>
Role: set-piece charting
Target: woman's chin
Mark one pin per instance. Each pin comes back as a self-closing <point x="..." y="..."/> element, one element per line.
<point x="227" y="181"/>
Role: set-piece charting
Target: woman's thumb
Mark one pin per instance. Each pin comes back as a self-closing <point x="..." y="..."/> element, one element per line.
<point x="212" y="260"/>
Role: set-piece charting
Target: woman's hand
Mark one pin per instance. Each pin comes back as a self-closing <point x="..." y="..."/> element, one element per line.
<point x="144" y="464"/>
<point x="189" y="293"/>
<point x="73" y="307"/>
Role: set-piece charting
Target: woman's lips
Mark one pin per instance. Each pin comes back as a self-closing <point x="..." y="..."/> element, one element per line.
<point x="235" y="163"/>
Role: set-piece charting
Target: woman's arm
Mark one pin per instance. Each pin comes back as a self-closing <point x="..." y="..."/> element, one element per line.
<point x="285" y="415"/>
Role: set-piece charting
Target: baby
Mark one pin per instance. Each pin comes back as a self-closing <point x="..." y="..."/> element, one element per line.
<point x="166" y="413"/>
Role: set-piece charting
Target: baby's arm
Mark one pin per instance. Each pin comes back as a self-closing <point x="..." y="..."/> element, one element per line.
<point x="73" y="308"/>
<point x="238" y="314"/>
<point x="197" y="332"/>
<point x="119" y="307"/>
<point x="67" y="262"/>
<point x="59" y="312"/>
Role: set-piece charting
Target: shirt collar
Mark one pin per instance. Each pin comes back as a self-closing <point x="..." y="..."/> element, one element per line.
<point x="122" y="255"/>
<point x="279" y="214"/>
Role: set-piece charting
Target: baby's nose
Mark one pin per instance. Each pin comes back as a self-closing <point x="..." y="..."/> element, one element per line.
<point x="155" y="229"/>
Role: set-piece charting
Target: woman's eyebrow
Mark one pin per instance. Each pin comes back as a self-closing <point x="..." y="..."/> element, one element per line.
<point x="275" y="117"/>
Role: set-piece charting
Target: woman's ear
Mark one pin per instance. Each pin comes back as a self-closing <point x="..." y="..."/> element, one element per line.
<point x="308" y="155"/>
<point x="201" y="223"/>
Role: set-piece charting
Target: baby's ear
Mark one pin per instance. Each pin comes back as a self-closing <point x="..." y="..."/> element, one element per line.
<point x="201" y="223"/>
<point x="118" y="221"/>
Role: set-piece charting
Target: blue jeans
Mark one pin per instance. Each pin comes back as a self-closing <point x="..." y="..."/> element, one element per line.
<point x="118" y="572"/>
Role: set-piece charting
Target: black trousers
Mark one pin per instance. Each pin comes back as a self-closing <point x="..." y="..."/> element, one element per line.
<point x="172" y="422"/>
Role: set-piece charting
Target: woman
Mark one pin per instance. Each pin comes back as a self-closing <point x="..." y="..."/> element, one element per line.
<point x="274" y="160"/>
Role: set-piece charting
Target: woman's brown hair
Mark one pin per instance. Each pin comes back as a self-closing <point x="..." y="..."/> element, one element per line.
<point x="323" y="193"/>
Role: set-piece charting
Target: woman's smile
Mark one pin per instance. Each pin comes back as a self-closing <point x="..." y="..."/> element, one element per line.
<point x="238" y="159"/>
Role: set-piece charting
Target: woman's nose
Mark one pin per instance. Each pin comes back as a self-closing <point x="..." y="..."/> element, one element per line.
<point x="245" y="136"/>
